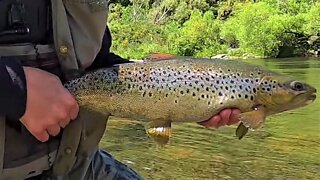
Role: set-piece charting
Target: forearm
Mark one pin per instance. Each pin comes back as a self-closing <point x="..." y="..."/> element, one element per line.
<point x="13" y="92"/>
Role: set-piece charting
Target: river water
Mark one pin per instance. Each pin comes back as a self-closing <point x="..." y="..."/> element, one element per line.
<point x="287" y="147"/>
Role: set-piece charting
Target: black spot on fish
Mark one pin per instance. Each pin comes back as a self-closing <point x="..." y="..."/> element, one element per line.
<point x="150" y="94"/>
<point x="246" y="96"/>
<point x="268" y="89"/>
<point x="232" y="97"/>
<point x="193" y="94"/>
<point x="254" y="90"/>
<point x="220" y="94"/>
<point x="251" y="98"/>
<point x="187" y="91"/>
<point x="181" y="92"/>
<point x="175" y="101"/>
<point x="144" y="94"/>
<point x="239" y="95"/>
<point x="202" y="95"/>
<point x="207" y="88"/>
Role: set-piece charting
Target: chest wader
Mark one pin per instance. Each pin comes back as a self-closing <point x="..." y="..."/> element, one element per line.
<point x="67" y="156"/>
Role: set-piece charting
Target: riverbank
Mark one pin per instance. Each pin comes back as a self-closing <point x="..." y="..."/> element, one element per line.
<point x="203" y="29"/>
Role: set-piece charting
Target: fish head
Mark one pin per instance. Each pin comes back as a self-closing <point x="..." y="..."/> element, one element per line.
<point x="279" y="93"/>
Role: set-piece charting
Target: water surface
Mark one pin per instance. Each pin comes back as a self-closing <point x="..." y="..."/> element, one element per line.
<point x="288" y="147"/>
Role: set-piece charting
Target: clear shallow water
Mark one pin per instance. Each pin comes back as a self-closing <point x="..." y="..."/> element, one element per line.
<point x="288" y="147"/>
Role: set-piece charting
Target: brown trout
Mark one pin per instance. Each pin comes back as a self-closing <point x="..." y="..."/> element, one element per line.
<point x="189" y="90"/>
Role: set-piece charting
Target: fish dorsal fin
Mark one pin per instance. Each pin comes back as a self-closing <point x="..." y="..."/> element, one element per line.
<point x="159" y="57"/>
<point x="160" y="131"/>
<point x="252" y="119"/>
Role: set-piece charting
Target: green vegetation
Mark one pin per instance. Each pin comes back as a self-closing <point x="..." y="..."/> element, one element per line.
<point x="204" y="28"/>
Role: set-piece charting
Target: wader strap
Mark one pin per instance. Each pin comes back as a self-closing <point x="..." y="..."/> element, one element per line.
<point x="26" y="49"/>
<point x="2" y="141"/>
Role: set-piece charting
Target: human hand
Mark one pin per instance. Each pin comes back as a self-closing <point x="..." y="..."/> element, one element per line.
<point x="225" y="117"/>
<point x="50" y="106"/>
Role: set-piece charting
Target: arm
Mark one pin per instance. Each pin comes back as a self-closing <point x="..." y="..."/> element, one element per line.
<point x="13" y="90"/>
<point x="37" y="98"/>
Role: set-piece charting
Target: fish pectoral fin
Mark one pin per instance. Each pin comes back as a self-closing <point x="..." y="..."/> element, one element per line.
<point x="160" y="131"/>
<point x="252" y="119"/>
<point x="241" y="131"/>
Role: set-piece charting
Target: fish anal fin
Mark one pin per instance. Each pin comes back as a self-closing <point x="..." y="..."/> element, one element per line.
<point x="160" y="131"/>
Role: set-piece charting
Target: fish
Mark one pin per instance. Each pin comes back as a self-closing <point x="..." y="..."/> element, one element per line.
<point x="189" y="90"/>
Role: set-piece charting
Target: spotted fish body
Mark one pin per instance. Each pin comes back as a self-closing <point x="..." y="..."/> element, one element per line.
<point x="179" y="90"/>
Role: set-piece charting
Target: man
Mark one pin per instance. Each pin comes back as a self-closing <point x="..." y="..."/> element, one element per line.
<point x="44" y="133"/>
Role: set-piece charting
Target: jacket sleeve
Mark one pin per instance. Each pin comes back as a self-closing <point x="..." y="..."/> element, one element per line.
<point x="13" y="91"/>
<point x="106" y="58"/>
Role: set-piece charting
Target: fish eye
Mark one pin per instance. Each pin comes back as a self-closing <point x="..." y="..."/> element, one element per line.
<point x="297" y="86"/>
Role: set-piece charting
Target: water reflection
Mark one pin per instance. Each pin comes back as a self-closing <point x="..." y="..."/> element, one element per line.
<point x="288" y="147"/>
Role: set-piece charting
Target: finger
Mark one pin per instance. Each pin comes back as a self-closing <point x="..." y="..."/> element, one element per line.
<point x="225" y="117"/>
<point x="64" y="123"/>
<point x="53" y="130"/>
<point x="234" y="117"/>
<point x="74" y="111"/>
<point x="212" y="122"/>
<point x="43" y="136"/>
<point x="72" y="104"/>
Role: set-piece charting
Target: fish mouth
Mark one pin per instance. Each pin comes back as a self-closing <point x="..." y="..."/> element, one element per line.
<point x="312" y="97"/>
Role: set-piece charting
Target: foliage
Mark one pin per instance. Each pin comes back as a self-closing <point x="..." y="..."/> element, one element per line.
<point x="203" y="28"/>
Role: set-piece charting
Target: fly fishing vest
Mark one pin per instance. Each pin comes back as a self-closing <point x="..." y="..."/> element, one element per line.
<point x="63" y="37"/>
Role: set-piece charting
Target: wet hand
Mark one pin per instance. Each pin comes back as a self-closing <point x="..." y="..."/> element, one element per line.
<point x="225" y="117"/>
<point x="50" y="106"/>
